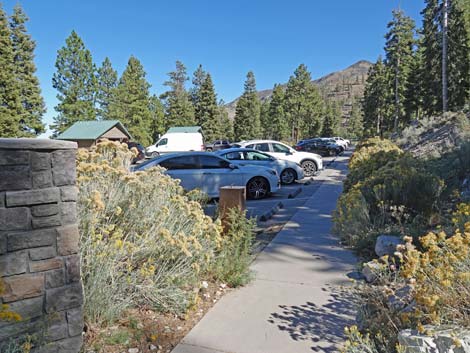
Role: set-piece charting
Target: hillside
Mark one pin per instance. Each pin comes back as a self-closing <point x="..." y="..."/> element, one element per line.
<point x="342" y="86"/>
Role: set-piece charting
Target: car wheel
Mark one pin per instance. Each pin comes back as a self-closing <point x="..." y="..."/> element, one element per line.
<point x="257" y="188"/>
<point x="208" y="149"/>
<point x="288" y="176"/>
<point x="309" y="167"/>
<point x="155" y="154"/>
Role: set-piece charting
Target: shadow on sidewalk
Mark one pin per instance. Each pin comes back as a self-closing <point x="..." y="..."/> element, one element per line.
<point x="322" y="325"/>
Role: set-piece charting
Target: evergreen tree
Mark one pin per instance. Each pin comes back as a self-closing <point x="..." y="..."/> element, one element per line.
<point x="355" y="124"/>
<point x="199" y="77"/>
<point x="399" y="58"/>
<point x="225" y="122"/>
<point x="107" y="81"/>
<point x="264" y="119"/>
<point x="178" y="108"/>
<point x="10" y="104"/>
<point x="331" y="120"/>
<point x="458" y="57"/>
<point x="303" y="105"/>
<point x="414" y="89"/>
<point x="277" y="127"/>
<point x="32" y="103"/>
<point x="75" y="82"/>
<point x="247" y="112"/>
<point x="376" y="105"/>
<point x="208" y="112"/>
<point x="130" y="103"/>
<point x="157" y="125"/>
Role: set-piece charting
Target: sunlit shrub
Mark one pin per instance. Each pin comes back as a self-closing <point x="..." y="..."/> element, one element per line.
<point x="361" y="343"/>
<point x="5" y="313"/>
<point x="143" y="241"/>
<point x="441" y="277"/>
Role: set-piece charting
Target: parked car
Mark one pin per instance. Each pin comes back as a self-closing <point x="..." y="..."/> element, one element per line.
<point x="175" y="142"/>
<point x="209" y="172"/>
<point x="217" y="145"/>
<point x="338" y="139"/>
<point x="288" y="171"/>
<point x="311" y="163"/>
<point x="321" y="147"/>
<point x="140" y="151"/>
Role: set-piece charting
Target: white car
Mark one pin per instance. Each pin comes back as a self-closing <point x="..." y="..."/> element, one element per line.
<point x="311" y="163"/>
<point x="288" y="171"/>
<point x="208" y="172"/>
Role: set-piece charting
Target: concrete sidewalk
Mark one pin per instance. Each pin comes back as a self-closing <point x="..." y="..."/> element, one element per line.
<point x="297" y="301"/>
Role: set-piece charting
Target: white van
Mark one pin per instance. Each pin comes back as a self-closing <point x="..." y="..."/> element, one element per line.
<point x="176" y="142"/>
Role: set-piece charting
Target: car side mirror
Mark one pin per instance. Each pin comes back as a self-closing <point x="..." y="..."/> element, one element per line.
<point x="232" y="166"/>
<point x="288" y="153"/>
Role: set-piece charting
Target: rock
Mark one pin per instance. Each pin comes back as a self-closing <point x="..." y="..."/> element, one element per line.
<point x="371" y="270"/>
<point x="401" y="299"/>
<point x="387" y="245"/>
<point x="152" y="347"/>
<point x="204" y="284"/>
<point x="133" y="350"/>
<point x="439" y="340"/>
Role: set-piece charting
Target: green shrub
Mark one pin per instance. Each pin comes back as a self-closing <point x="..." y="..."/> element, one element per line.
<point x="234" y="259"/>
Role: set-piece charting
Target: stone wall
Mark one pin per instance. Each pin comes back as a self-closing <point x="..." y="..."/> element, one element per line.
<point x="39" y="260"/>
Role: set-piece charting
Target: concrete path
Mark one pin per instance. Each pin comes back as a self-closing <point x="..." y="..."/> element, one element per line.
<point x="298" y="301"/>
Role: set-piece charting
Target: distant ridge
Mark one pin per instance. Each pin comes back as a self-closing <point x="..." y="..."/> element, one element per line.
<point x="343" y="86"/>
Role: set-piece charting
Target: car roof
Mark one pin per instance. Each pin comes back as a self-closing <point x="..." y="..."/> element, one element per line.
<point x="261" y="141"/>
<point x="237" y="149"/>
<point x="157" y="160"/>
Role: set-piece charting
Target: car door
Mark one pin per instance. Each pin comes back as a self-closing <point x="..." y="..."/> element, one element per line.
<point x="186" y="169"/>
<point x="280" y="151"/>
<point x="216" y="172"/>
<point x="258" y="158"/>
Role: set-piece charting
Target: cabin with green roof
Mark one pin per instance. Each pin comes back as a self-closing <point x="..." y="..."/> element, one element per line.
<point x="88" y="133"/>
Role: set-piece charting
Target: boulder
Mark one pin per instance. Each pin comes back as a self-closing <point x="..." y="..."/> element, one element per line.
<point x="371" y="270"/>
<point x="436" y="340"/>
<point x="387" y="245"/>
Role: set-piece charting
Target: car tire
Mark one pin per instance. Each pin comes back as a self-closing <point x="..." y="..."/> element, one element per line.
<point x="288" y="176"/>
<point x="155" y="154"/>
<point x="309" y="167"/>
<point x="257" y="188"/>
<point x="209" y="149"/>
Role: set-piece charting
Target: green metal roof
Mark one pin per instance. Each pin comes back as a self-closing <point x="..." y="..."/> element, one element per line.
<point x="172" y="130"/>
<point x="90" y="130"/>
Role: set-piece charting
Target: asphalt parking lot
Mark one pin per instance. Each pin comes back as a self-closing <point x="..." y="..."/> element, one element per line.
<point x="280" y="206"/>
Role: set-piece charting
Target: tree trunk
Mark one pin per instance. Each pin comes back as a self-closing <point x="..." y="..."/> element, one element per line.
<point x="444" y="55"/>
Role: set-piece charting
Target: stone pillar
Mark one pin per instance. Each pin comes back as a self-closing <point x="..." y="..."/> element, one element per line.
<point x="39" y="259"/>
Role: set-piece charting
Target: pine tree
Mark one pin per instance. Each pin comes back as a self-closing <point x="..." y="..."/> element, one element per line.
<point x="199" y="77"/>
<point x="75" y="82"/>
<point x="458" y="57"/>
<point x="376" y="100"/>
<point x="157" y="126"/>
<point x="265" y="123"/>
<point x="225" y="122"/>
<point x="107" y="81"/>
<point x="277" y="124"/>
<point x="208" y="111"/>
<point x="32" y="103"/>
<point x="414" y="90"/>
<point x="303" y="105"/>
<point x="355" y="124"/>
<point x="130" y="103"/>
<point x="399" y="59"/>
<point x="178" y="108"/>
<point x="10" y="103"/>
<point x="331" y="120"/>
<point x="247" y="112"/>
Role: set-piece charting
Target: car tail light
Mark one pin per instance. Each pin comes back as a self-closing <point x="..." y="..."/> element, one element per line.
<point x="298" y="148"/>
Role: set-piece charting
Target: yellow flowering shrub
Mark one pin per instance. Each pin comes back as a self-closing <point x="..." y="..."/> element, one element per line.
<point x="5" y="313"/>
<point x="441" y="276"/>
<point x="143" y="241"/>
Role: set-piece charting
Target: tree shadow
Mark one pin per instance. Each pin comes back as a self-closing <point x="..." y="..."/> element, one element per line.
<point x="322" y="325"/>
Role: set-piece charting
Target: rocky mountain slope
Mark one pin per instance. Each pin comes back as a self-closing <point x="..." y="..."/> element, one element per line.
<point x="343" y="86"/>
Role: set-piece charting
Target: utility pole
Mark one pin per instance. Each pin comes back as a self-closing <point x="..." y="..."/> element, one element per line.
<point x="445" y="7"/>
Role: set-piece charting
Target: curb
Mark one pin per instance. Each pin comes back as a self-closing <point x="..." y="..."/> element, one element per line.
<point x="295" y="193"/>
<point x="268" y="215"/>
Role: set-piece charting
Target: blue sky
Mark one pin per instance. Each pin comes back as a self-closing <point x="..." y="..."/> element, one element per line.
<point x="229" y="38"/>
